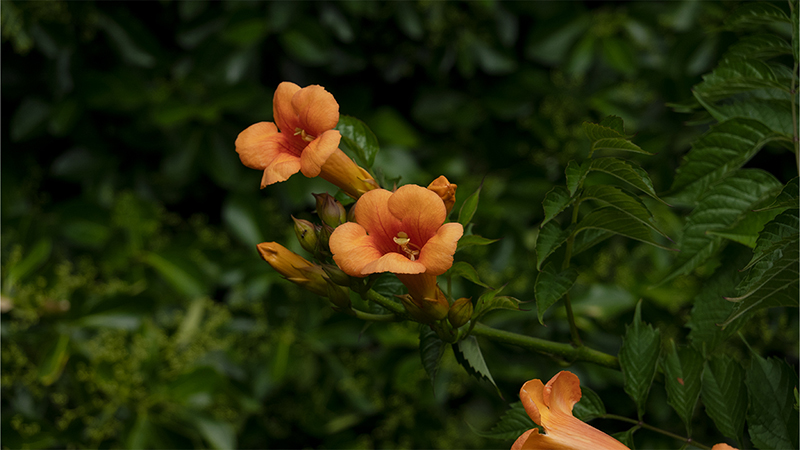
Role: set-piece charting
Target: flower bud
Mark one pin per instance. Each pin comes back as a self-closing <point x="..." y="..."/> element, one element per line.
<point x="306" y="233"/>
<point x="436" y="307"/>
<point x="330" y="210"/>
<point x="446" y="191"/>
<point x="294" y="267"/>
<point x="415" y="311"/>
<point x="339" y="296"/>
<point x="324" y="237"/>
<point x="337" y="275"/>
<point x="460" y="312"/>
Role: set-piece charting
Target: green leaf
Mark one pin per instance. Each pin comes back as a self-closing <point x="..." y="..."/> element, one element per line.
<point x="777" y="286"/>
<point x="34" y="258"/>
<point x="219" y="435"/>
<point x="551" y="286"/>
<point x="617" y="198"/>
<point x="358" y="139"/>
<point x="589" y="238"/>
<point x="610" y="219"/>
<point x="615" y="123"/>
<point x="710" y="307"/>
<point x="512" y="424"/>
<point x="735" y="75"/>
<point x="722" y="150"/>
<point x="608" y="138"/>
<point x="431" y="349"/>
<point x="627" y="172"/>
<point x="719" y="208"/>
<point x="682" y="373"/>
<point x="472" y="239"/>
<point x="550" y="238"/>
<point x="724" y="395"/>
<point x="465" y="270"/>
<point x="54" y="360"/>
<point x="626" y="437"/>
<point x="468" y="354"/>
<point x="173" y="270"/>
<point x="489" y="301"/>
<point x="772" y="237"/>
<point x="555" y="201"/>
<point x="788" y="198"/>
<point x="590" y="405"/>
<point x="771" y="417"/>
<point x="469" y="207"/>
<point x="638" y="358"/>
<point x="755" y="14"/>
<point x="762" y="46"/>
<point x="774" y="113"/>
<point x="575" y="174"/>
<point x="745" y="231"/>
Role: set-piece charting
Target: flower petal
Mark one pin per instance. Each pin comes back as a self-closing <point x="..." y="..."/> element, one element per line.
<point x="280" y="169"/>
<point x="282" y="110"/>
<point x="562" y="392"/>
<point x="421" y="211"/>
<point x="533" y="440"/>
<point x="722" y="446"/>
<point x="318" y="151"/>
<point x="372" y="213"/>
<point x="437" y="254"/>
<point x="519" y="444"/>
<point x="256" y="145"/>
<point x="393" y="262"/>
<point x="317" y="109"/>
<point x="531" y="396"/>
<point x="352" y="249"/>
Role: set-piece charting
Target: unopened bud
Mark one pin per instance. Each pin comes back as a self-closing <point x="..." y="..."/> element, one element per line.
<point x="436" y="307"/>
<point x="338" y="295"/>
<point x="294" y="267"/>
<point x="325" y="237"/>
<point x="415" y="311"/>
<point x="330" y="210"/>
<point x="337" y="275"/>
<point x="306" y="233"/>
<point x="445" y="190"/>
<point x="460" y="312"/>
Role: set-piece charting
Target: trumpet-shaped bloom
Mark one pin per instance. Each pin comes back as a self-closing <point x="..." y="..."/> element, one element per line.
<point x="305" y="118"/>
<point x="401" y="232"/>
<point x="550" y="406"/>
<point x="723" y="446"/>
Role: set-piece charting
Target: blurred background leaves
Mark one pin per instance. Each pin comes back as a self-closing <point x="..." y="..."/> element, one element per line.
<point x="136" y="312"/>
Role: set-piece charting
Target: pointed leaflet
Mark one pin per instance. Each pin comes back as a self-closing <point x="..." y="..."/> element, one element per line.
<point x="590" y="405"/>
<point x="621" y="200"/>
<point x="358" y="140"/>
<point x="710" y="308"/>
<point x="788" y="198"/>
<point x="682" y="372"/>
<point x="575" y="174"/>
<point x="638" y="358"/>
<point x="465" y="270"/>
<point x="611" y="219"/>
<point x="431" y="349"/>
<point x="555" y="201"/>
<point x="720" y="207"/>
<point x="473" y="239"/>
<point x="735" y="75"/>
<point x="607" y="138"/>
<point x="469" y="207"/>
<point x="589" y="238"/>
<point x="777" y="286"/>
<point x="489" y="301"/>
<point x="762" y="45"/>
<point x="550" y="238"/>
<point x="512" y="424"/>
<point x="754" y="14"/>
<point x="722" y="150"/>
<point x="724" y="395"/>
<point x="746" y="230"/>
<point x="771" y="417"/>
<point x="783" y="226"/>
<point x="551" y="286"/>
<point x="627" y="172"/>
<point x="776" y="114"/>
<point x="468" y="354"/>
<point x="615" y="123"/>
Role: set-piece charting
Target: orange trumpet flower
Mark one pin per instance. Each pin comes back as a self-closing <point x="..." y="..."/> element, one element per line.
<point x="306" y="141"/>
<point x="550" y="406"/>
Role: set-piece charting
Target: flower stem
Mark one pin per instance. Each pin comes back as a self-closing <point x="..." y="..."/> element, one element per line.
<point x="566" y="351"/>
<point x="657" y="430"/>
<point x="394" y="307"/>
<point x="373" y="317"/>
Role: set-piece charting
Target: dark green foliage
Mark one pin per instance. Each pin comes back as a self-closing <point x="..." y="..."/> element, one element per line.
<point x="638" y="358"/>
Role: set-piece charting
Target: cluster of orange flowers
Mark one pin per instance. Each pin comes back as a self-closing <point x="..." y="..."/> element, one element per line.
<point x="403" y="232"/>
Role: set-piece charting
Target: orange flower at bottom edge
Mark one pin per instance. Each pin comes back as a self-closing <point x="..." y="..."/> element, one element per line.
<point x="723" y="446"/>
<point x="550" y="406"/>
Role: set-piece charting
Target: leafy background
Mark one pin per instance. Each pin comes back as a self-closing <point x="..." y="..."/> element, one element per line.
<point x="136" y="311"/>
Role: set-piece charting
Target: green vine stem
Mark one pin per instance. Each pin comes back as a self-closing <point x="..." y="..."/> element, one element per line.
<point x="657" y="430"/>
<point x="394" y="307"/>
<point x="373" y="317"/>
<point x="565" y="351"/>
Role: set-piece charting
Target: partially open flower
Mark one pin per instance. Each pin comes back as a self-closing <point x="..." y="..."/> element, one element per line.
<point x="550" y="406"/>
<point x="306" y="141"/>
<point x="403" y="233"/>
<point x="445" y="190"/>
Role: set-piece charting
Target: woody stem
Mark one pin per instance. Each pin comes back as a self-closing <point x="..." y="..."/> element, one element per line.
<point x="565" y="351"/>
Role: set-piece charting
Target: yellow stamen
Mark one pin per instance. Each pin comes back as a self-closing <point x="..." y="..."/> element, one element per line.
<point x="403" y="241"/>
<point x="303" y="135"/>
